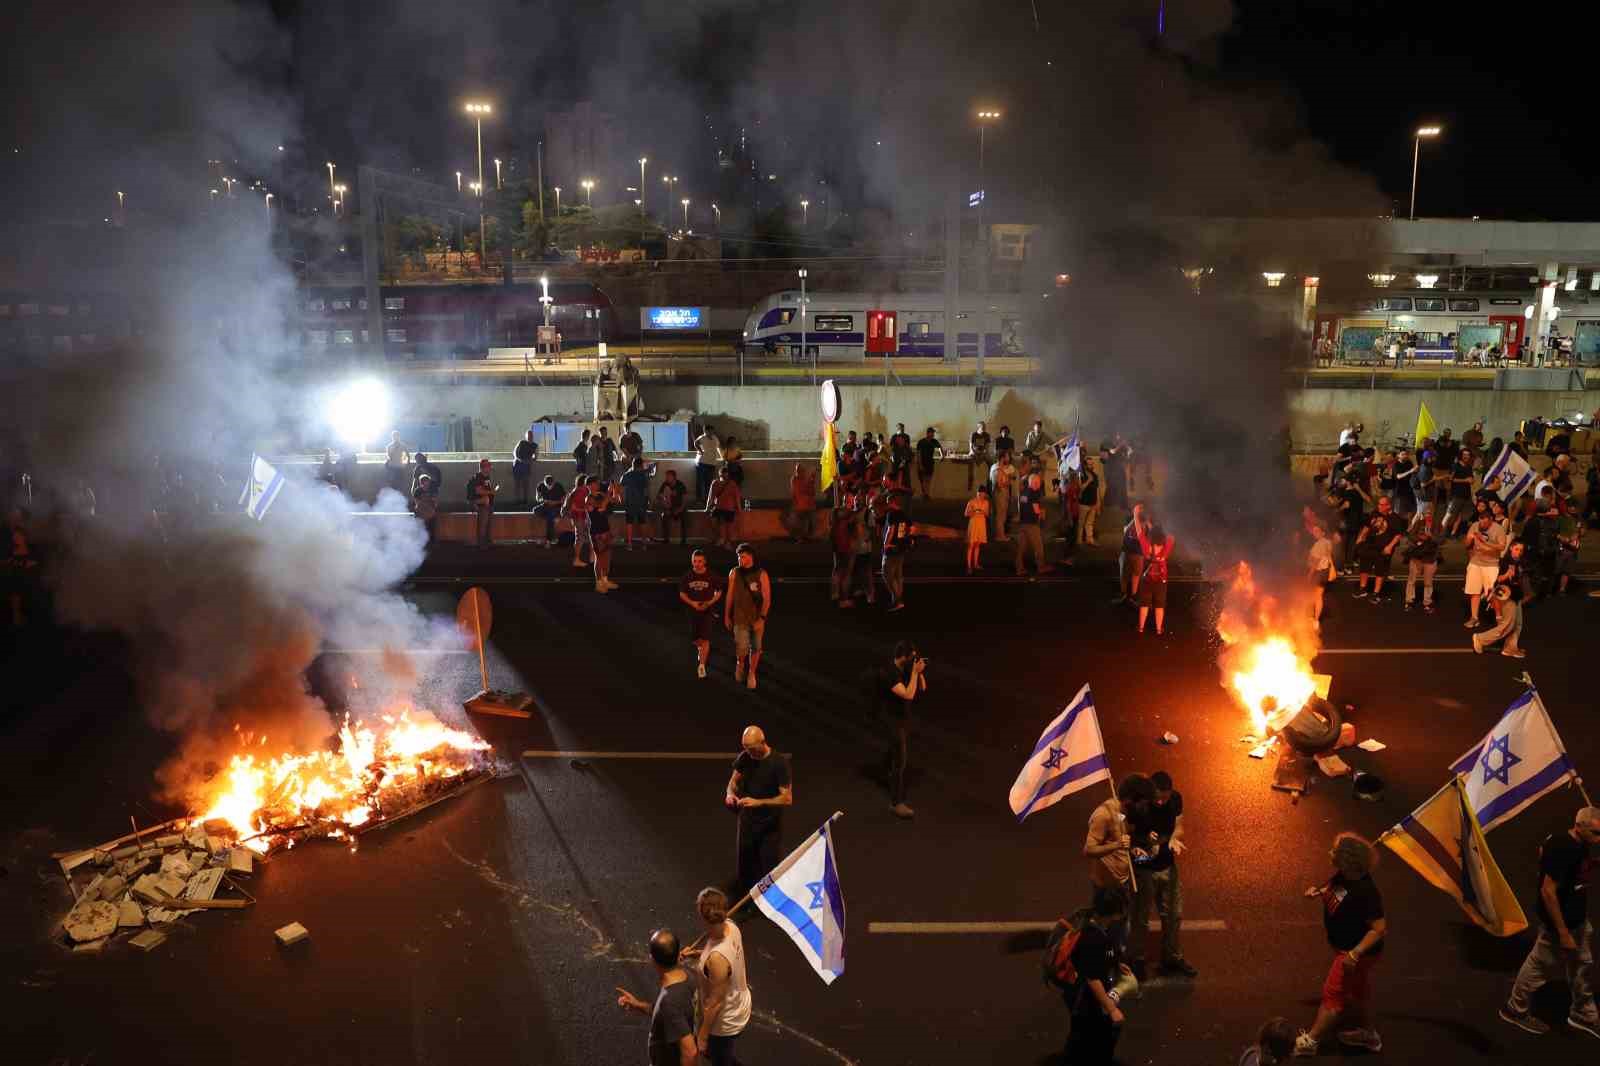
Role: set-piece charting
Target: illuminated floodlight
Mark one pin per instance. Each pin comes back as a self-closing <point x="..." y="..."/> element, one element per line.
<point x="1380" y="280"/>
<point x="1274" y="278"/>
<point x="1527" y="312"/>
<point x="359" y="411"/>
<point x="1427" y="281"/>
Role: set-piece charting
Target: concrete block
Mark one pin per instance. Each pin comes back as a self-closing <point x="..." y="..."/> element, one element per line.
<point x="241" y="861"/>
<point x="195" y="836"/>
<point x="129" y="915"/>
<point x="203" y="885"/>
<point x="148" y="939"/>
<point x="199" y="859"/>
<point x="292" y="933"/>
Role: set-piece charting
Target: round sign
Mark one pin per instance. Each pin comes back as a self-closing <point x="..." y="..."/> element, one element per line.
<point x="831" y="404"/>
<point x="474" y="615"/>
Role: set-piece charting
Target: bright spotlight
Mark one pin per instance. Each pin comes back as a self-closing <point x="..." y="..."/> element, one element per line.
<point x="358" y="413"/>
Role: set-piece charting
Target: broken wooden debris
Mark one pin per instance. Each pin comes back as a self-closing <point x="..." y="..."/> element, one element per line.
<point x="129" y="915"/>
<point x="147" y="939"/>
<point x="241" y="861"/>
<point x="90" y="920"/>
<point x="90" y="947"/>
<point x="203" y="885"/>
<point x="292" y="933"/>
<point x="112" y="887"/>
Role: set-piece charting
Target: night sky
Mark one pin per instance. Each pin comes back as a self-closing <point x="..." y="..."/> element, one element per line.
<point x="875" y="97"/>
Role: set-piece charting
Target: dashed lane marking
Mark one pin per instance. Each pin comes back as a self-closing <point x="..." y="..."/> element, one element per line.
<point x="1395" y="651"/>
<point x="1190" y="925"/>
<point x="719" y="756"/>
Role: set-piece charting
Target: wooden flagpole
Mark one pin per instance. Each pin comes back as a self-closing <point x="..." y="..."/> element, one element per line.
<point x="477" y="621"/>
<point x="1111" y="783"/>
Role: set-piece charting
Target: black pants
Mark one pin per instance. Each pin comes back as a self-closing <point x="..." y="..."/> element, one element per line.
<point x="720" y="1050"/>
<point x="704" y="475"/>
<point x="666" y="518"/>
<point x="899" y="753"/>
<point x="1093" y="1040"/>
<point x="759" y="844"/>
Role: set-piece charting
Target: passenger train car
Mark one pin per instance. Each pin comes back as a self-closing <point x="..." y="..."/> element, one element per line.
<point x="1443" y="324"/>
<point x="836" y="325"/>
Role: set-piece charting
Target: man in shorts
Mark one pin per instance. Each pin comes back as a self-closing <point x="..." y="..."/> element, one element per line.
<point x="636" y="498"/>
<point x="699" y="592"/>
<point x="577" y="510"/>
<point x="1486" y="542"/>
<point x="1375" y="546"/>
<point x="745" y="612"/>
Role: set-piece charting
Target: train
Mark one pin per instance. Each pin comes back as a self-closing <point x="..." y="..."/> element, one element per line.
<point x="419" y="321"/>
<point x="836" y="325"/>
<point x="1445" y="325"/>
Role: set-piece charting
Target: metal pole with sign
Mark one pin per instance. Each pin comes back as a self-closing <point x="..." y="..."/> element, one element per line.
<point x="803" y="325"/>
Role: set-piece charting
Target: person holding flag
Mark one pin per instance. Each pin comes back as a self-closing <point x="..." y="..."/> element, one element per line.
<point x="1566" y="862"/>
<point x="725" y="989"/>
<point x="261" y="488"/>
<point x="803" y="897"/>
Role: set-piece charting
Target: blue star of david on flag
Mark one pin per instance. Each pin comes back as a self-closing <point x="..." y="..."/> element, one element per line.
<point x="1501" y="744"/>
<point x="1053" y="760"/>
<point x="815" y="888"/>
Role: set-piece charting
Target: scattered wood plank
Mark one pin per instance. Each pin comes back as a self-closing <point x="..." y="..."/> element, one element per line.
<point x="292" y="933"/>
<point x="129" y="915"/>
<point x="121" y="840"/>
<point x="241" y="861"/>
<point x="203" y="885"/>
<point x="148" y="939"/>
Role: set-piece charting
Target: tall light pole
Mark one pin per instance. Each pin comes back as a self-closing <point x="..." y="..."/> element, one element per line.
<point x="497" y="183"/>
<point x="119" y="199"/>
<point x="558" y="202"/>
<point x="642" y="161"/>
<point x="269" y="209"/>
<point x="686" y="214"/>
<point x="229" y="182"/>
<point x="339" y="191"/>
<point x="805" y="213"/>
<point x="588" y="192"/>
<point x="332" y="195"/>
<point x="477" y="111"/>
<point x="1416" y="155"/>
<point x="669" y="181"/>
<point x="984" y="118"/>
<point x="458" y="183"/>
<point x="802" y="273"/>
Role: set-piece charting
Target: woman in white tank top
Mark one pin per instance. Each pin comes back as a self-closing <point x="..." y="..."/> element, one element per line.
<point x="725" y="994"/>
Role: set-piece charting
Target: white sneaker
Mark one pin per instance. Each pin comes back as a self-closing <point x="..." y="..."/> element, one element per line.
<point x="699" y="669"/>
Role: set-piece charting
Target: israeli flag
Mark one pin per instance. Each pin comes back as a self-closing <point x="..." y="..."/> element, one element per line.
<point x="1070" y="755"/>
<point x="1520" y="760"/>
<point x="261" y="489"/>
<point x="802" y="896"/>
<point x="1072" y="454"/>
<point x="1514" y="473"/>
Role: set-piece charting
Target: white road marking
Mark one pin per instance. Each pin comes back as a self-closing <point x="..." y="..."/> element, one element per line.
<point x="1396" y="651"/>
<point x="408" y="652"/>
<point x="1190" y="925"/>
<point x="721" y="756"/>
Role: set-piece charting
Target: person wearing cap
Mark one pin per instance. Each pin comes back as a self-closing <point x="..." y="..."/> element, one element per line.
<point x="745" y="612"/>
<point x="1507" y="626"/>
<point x="425" y="503"/>
<point x="896" y="543"/>
<point x="481" y="490"/>
<point x="423" y="466"/>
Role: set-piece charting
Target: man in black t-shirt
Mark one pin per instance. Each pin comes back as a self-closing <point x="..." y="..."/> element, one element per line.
<point x="1095" y="1001"/>
<point x="1567" y="865"/>
<point x="759" y="790"/>
<point x="1375" y="547"/>
<point x="671" y="1041"/>
<point x="896" y="543"/>
<point x="523" y="456"/>
<point x="671" y="506"/>
<point x="550" y="493"/>
<point x="1352" y="916"/>
<point x="1157" y="832"/>
<point x="1030" y="539"/>
<point x="895" y="686"/>
<point x="928" y="449"/>
<point x="699" y="590"/>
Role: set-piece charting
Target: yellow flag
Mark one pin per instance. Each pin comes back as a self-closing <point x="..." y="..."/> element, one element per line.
<point x="1426" y="426"/>
<point x="830" y="457"/>
<point x="1443" y="842"/>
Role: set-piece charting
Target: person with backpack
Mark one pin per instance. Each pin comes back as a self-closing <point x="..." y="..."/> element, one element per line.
<point x="1084" y="960"/>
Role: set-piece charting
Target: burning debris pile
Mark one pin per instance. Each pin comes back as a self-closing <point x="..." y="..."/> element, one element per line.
<point x="1268" y="645"/>
<point x="259" y="803"/>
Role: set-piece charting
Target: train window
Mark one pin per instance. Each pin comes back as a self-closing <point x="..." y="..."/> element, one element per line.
<point x="1430" y="303"/>
<point x="397" y="336"/>
<point x="315" y="305"/>
<point x="394" y="303"/>
<point x="1392" y="303"/>
<point x="834" y="322"/>
<point x="317" y="338"/>
<point x="920" y="329"/>
<point x="1463" y="305"/>
<point x="341" y="305"/>
<point x="344" y="336"/>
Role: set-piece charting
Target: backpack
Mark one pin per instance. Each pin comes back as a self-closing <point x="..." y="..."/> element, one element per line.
<point x="1057" y="966"/>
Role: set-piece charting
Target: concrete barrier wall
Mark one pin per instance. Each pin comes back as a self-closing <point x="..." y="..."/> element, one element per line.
<point x="786" y="418"/>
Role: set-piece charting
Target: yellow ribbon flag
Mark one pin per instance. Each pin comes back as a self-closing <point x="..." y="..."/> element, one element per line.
<point x="830" y="457"/>
<point x="1443" y="842"/>
<point x="1426" y="426"/>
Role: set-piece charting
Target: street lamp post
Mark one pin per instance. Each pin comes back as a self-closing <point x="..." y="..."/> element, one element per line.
<point x="805" y="213"/>
<point x="984" y="118"/>
<point x="497" y="183"/>
<point x="458" y="183"/>
<point x="802" y="273"/>
<point x="642" y="161"/>
<point x="1416" y="155"/>
<point x="269" y="209"/>
<point x="718" y="212"/>
<point x="588" y="192"/>
<point x="229" y="183"/>
<point x="669" y="181"/>
<point x="686" y="214"/>
<point x="558" y="202"/>
<point x="477" y="111"/>
<point x="339" y="191"/>
<point x="332" y="195"/>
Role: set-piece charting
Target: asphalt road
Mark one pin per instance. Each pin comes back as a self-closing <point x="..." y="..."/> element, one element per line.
<point x="494" y="927"/>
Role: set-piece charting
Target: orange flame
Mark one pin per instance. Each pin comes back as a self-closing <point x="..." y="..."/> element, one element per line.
<point x="260" y="796"/>
<point x="1267" y="651"/>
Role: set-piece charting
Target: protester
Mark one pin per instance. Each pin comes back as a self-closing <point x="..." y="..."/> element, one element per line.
<point x="672" y="1031"/>
<point x="699" y="591"/>
<point x="900" y="448"/>
<point x="1114" y="464"/>
<point x="897" y="543"/>
<point x="1375" y="546"/>
<point x="977" y="452"/>
<point x="423" y="466"/>
<point x="1156" y="832"/>
<point x="481" y="490"/>
<point x="1130" y="564"/>
<point x="1566" y="937"/>
<point x="1108" y="846"/>
<point x="1458" y="511"/>
<point x="1095" y="1001"/>
<point x="1350" y="504"/>
<point x="1569" y="539"/>
<point x="841" y="539"/>
<point x="580" y="453"/>
<point x="1004" y="442"/>
<point x="606" y="448"/>
<point x="601" y="496"/>
<point x="671" y="506"/>
<point x="1030" y="538"/>
<point x="733" y="461"/>
<point x="1274" y="1045"/>
<point x="1422" y="486"/>
<point x="802" y="517"/>
<point x="1089" y="495"/>
<point x="1485" y="544"/>
<point x="631" y="445"/>
<point x="929" y="450"/>
<point x="1352" y="917"/>
<point x="1036" y="441"/>
<point x="1507" y="626"/>
<point x="977" y="515"/>
<point x="1003" y="476"/>
<point x="425" y="504"/>
<point x="898" y="684"/>
<point x="745" y="612"/>
<point x="725" y="996"/>
<point x="758" y="789"/>
<point x="1422" y="561"/>
<point x="577" y="512"/>
<point x="550" y="493"/>
<point x="1405" y="493"/>
<point x="1156" y="548"/>
<point x="523" y="457"/>
<point x="867" y="544"/>
<point x="636" y="499"/>
<point x="724" y="502"/>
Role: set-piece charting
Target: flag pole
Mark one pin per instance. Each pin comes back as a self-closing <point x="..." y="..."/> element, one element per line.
<point x="1577" y="782"/>
<point x="1111" y="783"/>
<point x="779" y="869"/>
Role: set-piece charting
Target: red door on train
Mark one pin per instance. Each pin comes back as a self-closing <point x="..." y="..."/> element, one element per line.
<point x="1511" y="332"/>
